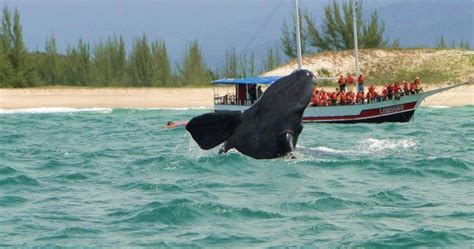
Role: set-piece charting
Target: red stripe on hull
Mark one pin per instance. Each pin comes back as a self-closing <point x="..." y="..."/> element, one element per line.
<point x="367" y="114"/>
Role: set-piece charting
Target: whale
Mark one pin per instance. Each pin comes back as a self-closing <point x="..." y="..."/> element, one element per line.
<point x="268" y="129"/>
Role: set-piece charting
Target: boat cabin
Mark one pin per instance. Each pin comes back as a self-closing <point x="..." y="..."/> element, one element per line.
<point x="242" y="92"/>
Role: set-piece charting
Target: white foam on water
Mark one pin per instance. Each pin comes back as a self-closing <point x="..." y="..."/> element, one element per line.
<point x="380" y="145"/>
<point x="321" y="150"/>
<point x="55" y="110"/>
<point x="175" y="108"/>
<point x="195" y="152"/>
<point x="439" y="106"/>
<point x="367" y="146"/>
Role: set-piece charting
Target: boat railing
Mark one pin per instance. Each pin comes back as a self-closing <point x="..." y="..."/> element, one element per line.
<point x="230" y="99"/>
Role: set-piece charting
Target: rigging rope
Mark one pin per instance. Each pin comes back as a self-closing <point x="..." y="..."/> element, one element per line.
<point x="252" y="39"/>
<point x="434" y="97"/>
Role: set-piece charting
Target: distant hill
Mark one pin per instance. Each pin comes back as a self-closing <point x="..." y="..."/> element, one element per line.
<point x="433" y="66"/>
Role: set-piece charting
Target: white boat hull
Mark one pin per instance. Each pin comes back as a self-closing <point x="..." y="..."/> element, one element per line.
<point x="401" y="110"/>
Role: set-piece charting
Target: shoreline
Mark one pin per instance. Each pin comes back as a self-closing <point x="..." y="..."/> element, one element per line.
<point x="165" y="98"/>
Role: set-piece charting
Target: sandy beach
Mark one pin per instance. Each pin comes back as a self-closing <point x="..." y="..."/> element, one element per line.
<point x="159" y="97"/>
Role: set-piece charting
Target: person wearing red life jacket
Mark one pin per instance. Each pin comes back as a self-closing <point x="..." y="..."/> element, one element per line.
<point x="397" y="91"/>
<point x="333" y="98"/>
<point x="359" y="98"/>
<point x="372" y="88"/>
<point x="376" y="96"/>
<point x="406" y="88"/>
<point x="369" y="96"/>
<point x="417" y="80"/>
<point x="385" y="92"/>
<point x="348" y="98"/>
<point x="342" y="83"/>
<point x="389" y="91"/>
<point x="418" y="87"/>
<point x="349" y="81"/>
<point x="360" y="83"/>
<point x="342" y="100"/>
<point x="412" y="88"/>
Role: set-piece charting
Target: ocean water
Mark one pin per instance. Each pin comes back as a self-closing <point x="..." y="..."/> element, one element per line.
<point x="116" y="178"/>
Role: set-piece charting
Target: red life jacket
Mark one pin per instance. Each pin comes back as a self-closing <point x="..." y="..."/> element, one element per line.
<point x="406" y="86"/>
<point x="341" y="80"/>
<point x="350" y="80"/>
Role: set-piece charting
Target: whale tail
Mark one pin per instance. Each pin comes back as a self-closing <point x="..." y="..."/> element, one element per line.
<point x="212" y="129"/>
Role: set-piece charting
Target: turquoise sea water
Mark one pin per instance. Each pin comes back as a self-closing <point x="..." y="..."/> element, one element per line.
<point x="115" y="178"/>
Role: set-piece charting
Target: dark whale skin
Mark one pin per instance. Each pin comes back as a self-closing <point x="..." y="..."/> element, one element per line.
<point x="268" y="129"/>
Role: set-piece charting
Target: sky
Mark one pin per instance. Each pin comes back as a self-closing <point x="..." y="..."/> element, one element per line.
<point x="247" y="25"/>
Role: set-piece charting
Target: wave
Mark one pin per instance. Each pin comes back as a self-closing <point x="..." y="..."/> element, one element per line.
<point x="380" y="145"/>
<point x="439" y="106"/>
<point x="324" y="204"/>
<point x="367" y="146"/>
<point x="419" y="238"/>
<point x="72" y="232"/>
<point x="42" y="110"/>
<point x="18" y="180"/>
<point x="180" y="211"/>
<point x="170" y="108"/>
<point x="11" y="200"/>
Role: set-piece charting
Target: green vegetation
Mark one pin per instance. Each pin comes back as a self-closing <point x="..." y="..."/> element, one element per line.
<point x="16" y="65"/>
<point x="108" y="64"/>
<point x="336" y="32"/>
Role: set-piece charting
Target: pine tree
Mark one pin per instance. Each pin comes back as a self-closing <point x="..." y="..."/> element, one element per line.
<point x="288" y="39"/>
<point x="231" y="65"/>
<point x="337" y="29"/>
<point x="141" y="66"/>
<point x="243" y="67"/>
<point x="71" y="66"/>
<point x="315" y="39"/>
<point x="119" y="62"/>
<point x="23" y="71"/>
<point x="85" y="68"/>
<point x="193" y="70"/>
<point x="162" y="74"/>
<point x="395" y="44"/>
<point x="271" y="61"/>
<point x="49" y="66"/>
<point x="373" y="33"/>
<point x="441" y="43"/>
<point x="103" y="59"/>
<point x="464" y="45"/>
<point x="6" y="69"/>
<point x="252" y="69"/>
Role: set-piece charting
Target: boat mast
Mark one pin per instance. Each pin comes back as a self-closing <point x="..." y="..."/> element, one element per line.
<point x="298" y="35"/>
<point x="356" y="49"/>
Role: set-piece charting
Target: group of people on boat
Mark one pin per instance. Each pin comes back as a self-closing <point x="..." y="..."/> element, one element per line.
<point x="342" y="96"/>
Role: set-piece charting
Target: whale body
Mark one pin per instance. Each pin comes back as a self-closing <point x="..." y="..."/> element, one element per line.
<point x="268" y="129"/>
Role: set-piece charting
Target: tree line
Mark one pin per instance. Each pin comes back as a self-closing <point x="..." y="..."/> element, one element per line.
<point x="108" y="63"/>
<point x="336" y="31"/>
<point x="103" y="64"/>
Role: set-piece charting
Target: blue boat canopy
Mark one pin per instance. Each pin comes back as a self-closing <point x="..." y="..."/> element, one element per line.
<point x="252" y="80"/>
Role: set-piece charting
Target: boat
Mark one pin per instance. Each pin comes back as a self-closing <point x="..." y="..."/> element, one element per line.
<point x="399" y="109"/>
